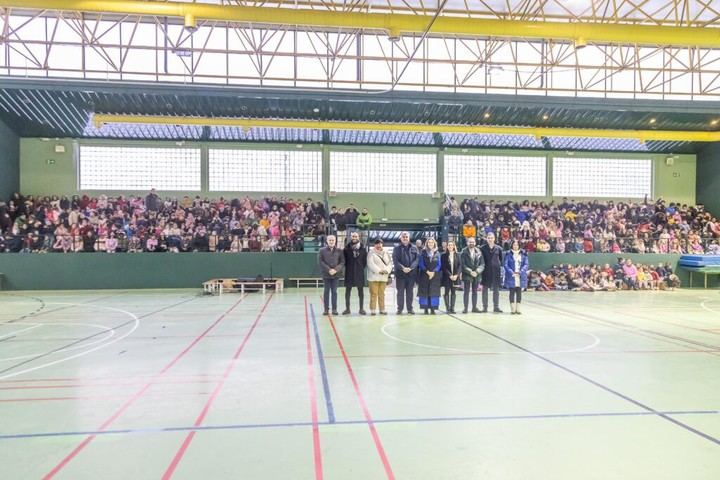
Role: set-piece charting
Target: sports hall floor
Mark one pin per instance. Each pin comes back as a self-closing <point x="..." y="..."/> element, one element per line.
<point x="161" y="384"/>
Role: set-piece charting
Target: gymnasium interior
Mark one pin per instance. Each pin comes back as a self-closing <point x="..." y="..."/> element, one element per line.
<point x="172" y="173"/>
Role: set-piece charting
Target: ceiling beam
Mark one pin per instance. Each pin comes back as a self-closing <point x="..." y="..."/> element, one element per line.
<point x="538" y="132"/>
<point x="393" y="24"/>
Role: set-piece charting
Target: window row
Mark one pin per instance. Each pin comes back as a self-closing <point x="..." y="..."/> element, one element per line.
<point x="235" y="170"/>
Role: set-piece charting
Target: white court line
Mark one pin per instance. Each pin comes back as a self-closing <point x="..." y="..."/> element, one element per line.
<point x="595" y="343"/>
<point x="111" y="333"/>
<point x="135" y="326"/>
<point x="705" y="307"/>
<point x="15" y="333"/>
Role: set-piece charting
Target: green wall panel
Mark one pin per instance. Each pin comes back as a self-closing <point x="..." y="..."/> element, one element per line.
<point x="164" y="270"/>
<point x="9" y="162"/>
<point x="144" y="270"/>
<point x="708" y="178"/>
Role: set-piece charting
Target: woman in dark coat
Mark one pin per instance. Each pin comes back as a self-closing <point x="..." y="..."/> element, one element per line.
<point x="451" y="275"/>
<point x="516" y="275"/>
<point x="429" y="277"/>
<point x="355" y="263"/>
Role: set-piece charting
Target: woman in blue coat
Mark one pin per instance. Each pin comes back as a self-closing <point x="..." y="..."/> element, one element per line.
<point x="516" y="275"/>
<point x="429" y="277"/>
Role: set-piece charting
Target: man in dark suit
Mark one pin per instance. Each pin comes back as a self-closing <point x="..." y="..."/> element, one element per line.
<point x="332" y="263"/>
<point x="405" y="259"/>
<point x="473" y="266"/>
<point x="492" y="254"/>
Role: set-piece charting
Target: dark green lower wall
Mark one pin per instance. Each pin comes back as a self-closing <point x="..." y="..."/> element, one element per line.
<point x="144" y="270"/>
<point x="163" y="270"/>
<point x="9" y="162"/>
<point x="708" y="178"/>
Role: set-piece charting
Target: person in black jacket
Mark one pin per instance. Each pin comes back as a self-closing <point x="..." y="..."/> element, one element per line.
<point x="332" y="263"/>
<point x="405" y="260"/>
<point x="451" y="274"/>
<point x="473" y="266"/>
<point x="355" y="263"/>
<point x="493" y="256"/>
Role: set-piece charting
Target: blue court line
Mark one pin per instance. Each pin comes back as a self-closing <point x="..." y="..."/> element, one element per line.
<point x="356" y="422"/>
<point x="323" y="370"/>
<point x="592" y="382"/>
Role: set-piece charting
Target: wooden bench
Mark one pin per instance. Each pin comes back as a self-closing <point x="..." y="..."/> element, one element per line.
<point x="223" y="285"/>
<point x="309" y="281"/>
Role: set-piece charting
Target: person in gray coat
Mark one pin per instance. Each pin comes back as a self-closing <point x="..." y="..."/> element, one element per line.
<point x="473" y="266"/>
<point x="332" y="264"/>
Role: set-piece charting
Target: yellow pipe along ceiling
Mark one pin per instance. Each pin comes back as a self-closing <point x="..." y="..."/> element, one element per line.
<point x="393" y="23"/>
<point x="642" y="135"/>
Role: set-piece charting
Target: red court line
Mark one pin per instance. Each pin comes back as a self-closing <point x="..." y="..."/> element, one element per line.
<point x="363" y="405"/>
<point x="198" y="421"/>
<point x="313" y="399"/>
<point x="80" y="379"/>
<point x="90" y="397"/>
<point x="146" y="337"/>
<point x="94" y="385"/>
<point x="138" y="394"/>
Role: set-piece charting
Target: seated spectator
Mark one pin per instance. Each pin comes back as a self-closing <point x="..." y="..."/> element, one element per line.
<point x="630" y="274"/>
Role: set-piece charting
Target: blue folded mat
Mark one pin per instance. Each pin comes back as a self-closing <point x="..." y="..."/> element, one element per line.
<point x="699" y="260"/>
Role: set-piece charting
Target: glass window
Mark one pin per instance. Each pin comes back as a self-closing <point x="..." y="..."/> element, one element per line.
<point x="602" y="177"/>
<point x="265" y="170"/>
<point x="139" y="168"/>
<point x="495" y="175"/>
<point x="382" y="172"/>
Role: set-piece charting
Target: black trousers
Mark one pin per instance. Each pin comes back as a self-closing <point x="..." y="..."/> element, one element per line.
<point x="495" y="287"/>
<point x="470" y="286"/>
<point x="330" y="290"/>
<point x="348" y="292"/>
<point x="404" y="285"/>
<point x="515" y="295"/>
<point x="449" y="297"/>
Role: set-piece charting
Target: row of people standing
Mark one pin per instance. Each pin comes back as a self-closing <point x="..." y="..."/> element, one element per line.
<point x="427" y="267"/>
<point x="350" y="263"/>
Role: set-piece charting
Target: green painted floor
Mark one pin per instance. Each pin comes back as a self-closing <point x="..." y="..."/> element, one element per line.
<point x="172" y="384"/>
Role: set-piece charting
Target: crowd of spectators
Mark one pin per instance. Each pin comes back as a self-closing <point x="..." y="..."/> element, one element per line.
<point x="588" y="226"/>
<point x="153" y="224"/>
<point x="624" y="275"/>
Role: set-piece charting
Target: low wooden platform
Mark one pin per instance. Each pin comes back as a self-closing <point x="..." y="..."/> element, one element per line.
<point x="226" y="285"/>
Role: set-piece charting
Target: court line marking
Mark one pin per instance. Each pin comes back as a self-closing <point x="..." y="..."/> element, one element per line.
<point x="363" y="405"/>
<point x="81" y="446"/>
<point x="648" y="333"/>
<point x="323" y="370"/>
<point x="136" y="324"/>
<point x="16" y="332"/>
<point x="216" y="391"/>
<point x="705" y="307"/>
<point x="91" y="379"/>
<point x="593" y="382"/>
<point x="317" y="450"/>
<point x="135" y="320"/>
<point x="210" y="428"/>
<point x="104" y="329"/>
<point x="590" y="346"/>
